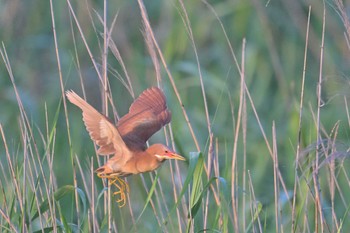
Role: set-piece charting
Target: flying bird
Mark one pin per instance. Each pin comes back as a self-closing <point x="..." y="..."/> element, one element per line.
<point x="127" y="140"/>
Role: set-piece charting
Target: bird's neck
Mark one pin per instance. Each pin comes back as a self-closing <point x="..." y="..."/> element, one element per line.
<point x="147" y="162"/>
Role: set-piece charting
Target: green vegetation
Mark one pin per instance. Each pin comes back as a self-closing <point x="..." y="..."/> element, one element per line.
<point x="259" y="95"/>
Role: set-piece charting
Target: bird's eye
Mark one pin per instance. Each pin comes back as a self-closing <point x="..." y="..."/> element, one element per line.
<point x="166" y="152"/>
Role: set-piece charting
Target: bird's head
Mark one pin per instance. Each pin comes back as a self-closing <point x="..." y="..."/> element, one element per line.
<point x="163" y="152"/>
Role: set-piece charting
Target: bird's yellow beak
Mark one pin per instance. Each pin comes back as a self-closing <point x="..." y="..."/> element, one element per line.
<point x="173" y="155"/>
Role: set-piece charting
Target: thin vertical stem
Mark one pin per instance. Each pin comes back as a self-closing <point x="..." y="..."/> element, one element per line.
<point x="318" y="131"/>
<point x="275" y="178"/>
<point x="235" y="143"/>
<point x="301" y="107"/>
<point x="105" y="98"/>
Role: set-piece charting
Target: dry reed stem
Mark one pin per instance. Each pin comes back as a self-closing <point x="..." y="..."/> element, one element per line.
<point x="275" y="179"/>
<point x="65" y="109"/>
<point x="301" y="107"/>
<point x="318" y="210"/>
<point x="253" y="201"/>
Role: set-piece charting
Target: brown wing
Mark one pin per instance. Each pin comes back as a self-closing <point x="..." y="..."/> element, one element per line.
<point x="101" y="130"/>
<point x="146" y="116"/>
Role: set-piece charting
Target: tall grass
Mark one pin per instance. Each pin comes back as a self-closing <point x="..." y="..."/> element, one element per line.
<point x="266" y="149"/>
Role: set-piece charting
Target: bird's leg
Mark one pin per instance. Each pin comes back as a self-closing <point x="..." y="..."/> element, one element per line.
<point x="120" y="184"/>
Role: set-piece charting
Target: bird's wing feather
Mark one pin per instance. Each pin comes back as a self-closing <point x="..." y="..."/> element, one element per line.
<point x="146" y="116"/>
<point x="101" y="130"/>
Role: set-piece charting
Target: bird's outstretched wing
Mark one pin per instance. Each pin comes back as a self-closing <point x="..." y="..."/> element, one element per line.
<point x="147" y="115"/>
<point x="101" y="130"/>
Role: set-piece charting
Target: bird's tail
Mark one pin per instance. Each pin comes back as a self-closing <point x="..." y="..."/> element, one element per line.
<point x="104" y="170"/>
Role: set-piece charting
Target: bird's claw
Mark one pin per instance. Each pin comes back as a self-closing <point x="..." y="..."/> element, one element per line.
<point x="121" y="186"/>
<point x="122" y="198"/>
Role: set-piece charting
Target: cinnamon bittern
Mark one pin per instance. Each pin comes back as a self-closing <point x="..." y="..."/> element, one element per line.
<point x="127" y="140"/>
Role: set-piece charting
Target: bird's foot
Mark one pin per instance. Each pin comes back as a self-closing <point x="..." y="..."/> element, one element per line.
<point x="121" y="199"/>
<point x="121" y="186"/>
<point x="119" y="183"/>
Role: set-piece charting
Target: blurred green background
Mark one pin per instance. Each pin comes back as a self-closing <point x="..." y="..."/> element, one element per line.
<point x="275" y="44"/>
